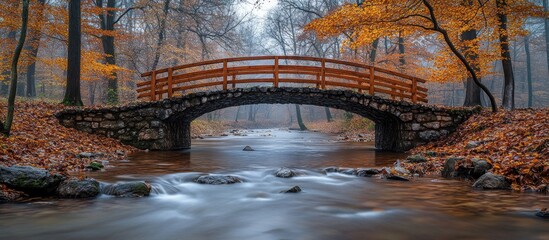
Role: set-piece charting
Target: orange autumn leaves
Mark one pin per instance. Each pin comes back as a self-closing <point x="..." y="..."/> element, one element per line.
<point x="516" y="143"/>
<point x="39" y="140"/>
<point x="426" y="53"/>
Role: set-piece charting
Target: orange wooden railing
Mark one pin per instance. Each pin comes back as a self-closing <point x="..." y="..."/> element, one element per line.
<point x="280" y="70"/>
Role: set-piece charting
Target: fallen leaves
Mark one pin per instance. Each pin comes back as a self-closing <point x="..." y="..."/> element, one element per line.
<point x="516" y="143"/>
<point x="39" y="140"/>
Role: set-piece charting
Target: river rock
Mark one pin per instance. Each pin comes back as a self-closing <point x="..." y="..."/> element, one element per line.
<point x="367" y="172"/>
<point x="416" y="159"/>
<point x="217" y="179"/>
<point x="543" y="213"/>
<point x="449" y="170"/>
<point x="90" y="154"/>
<point x="128" y="189"/>
<point x="294" y="189"/>
<point x="95" y="166"/>
<point x="285" y="173"/>
<point x="248" y="149"/>
<point x="480" y="167"/>
<point x="473" y="144"/>
<point x="395" y="177"/>
<point x="330" y="169"/>
<point x="492" y="181"/>
<point x="33" y="181"/>
<point x="75" y="188"/>
<point x="347" y="171"/>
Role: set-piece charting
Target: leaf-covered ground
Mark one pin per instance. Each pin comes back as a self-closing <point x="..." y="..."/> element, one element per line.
<point x="39" y="140"/>
<point x="515" y="142"/>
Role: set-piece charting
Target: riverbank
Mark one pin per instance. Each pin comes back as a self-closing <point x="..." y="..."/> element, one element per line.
<point x="515" y="143"/>
<point x="39" y="140"/>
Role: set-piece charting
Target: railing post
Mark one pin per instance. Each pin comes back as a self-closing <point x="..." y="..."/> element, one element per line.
<point x="225" y="74"/>
<point x="318" y="80"/>
<point x="153" y="86"/>
<point x="234" y="80"/>
<point x="371" y="80"/>
<point x="414" y="90"/>
<point x="323" y="73"/>
<point x="170" y="82"/>
<point x="276" y="72"/>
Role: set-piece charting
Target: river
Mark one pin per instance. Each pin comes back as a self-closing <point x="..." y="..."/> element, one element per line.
<point x="332" y="206"/>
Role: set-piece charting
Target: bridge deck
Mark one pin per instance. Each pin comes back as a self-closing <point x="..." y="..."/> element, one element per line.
<point x="280" y="70"/>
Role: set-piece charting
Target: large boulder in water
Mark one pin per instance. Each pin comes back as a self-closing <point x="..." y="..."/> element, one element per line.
<point x="74" y="188"/>
<point x="128" y="189"/>
<point x="33" y="181"/>
<point x="285" y="173"/>
<point x="217" y="179"/>
<point x="491" y="181"/>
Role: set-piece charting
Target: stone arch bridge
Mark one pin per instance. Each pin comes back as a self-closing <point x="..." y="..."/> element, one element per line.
<point x="165" y="124"/>
<point x="391" y="99"/>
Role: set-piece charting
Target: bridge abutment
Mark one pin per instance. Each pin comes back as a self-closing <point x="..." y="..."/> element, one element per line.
<point x="165" y="125"/>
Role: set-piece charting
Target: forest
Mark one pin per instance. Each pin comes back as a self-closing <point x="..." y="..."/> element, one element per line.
<point x="340" y="98"/>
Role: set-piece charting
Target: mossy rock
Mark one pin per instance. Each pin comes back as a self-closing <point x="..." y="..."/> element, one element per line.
<point x="416" y="159"/>
<point x="95" y="166"/>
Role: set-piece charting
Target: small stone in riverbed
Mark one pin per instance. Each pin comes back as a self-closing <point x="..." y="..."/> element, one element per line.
<point x="416" y="159"/>
<point x="129" y="189"/>
<point x="217" y="179"/>
<point x="347" y="171"/>
<point x="248" y="149"/>
<point x="74" y="188"/>
<point x="367" y="172"/>
<point x="543" y="213"/>
<point x="331" y="169"/>
<point x="95" y="166"/>
<point x="491" y="181"/>
<point x="285" y="173"/>
<point x="396" y="177"/>
<point x="294" y="189"/>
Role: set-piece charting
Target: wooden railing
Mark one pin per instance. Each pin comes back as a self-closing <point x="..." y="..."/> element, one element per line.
<point x="280" y="70"/>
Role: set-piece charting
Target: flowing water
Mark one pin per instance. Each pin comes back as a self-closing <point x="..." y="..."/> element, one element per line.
<point x="332" y="206"/>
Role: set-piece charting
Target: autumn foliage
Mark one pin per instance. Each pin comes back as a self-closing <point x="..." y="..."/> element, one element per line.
<point x="39" y="140"/>
<point x="516" y="143"/>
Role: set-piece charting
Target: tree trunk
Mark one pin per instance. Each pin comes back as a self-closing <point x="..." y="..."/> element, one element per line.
<point x="302" y="126"/>
<point x="5" y="83"/>
<point x="72" y="92"/>
<point x="546" y="25"/>
<point x="329" y="117"/>
<point x="237" y="112"/>
<point x="33" y="46"/>
<point x="528" y="69"/>
<point x="373" y="52"/>
<point x="107" y="24"/>
<point x="161" y="34"/>
<point x="509" y="80"/>
<point x="448" y="40"/>
<point x="472" y="91"/>
<point x="6" y="129"/>
<point x="401" y="58"/>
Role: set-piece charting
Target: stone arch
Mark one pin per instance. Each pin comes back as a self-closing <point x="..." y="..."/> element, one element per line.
<point x="165" y="125"/>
